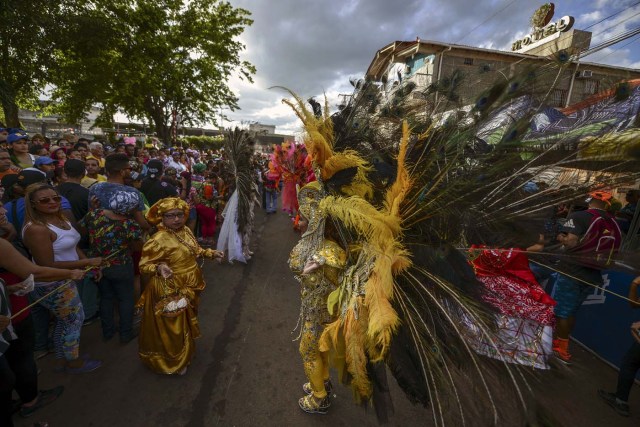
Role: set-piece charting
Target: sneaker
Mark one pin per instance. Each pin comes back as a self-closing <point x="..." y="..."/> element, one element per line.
<point x="561" y="351"/>
<point x="621" y="407"/>
<point x="311" y="405"/>
<point x="45" y="397"/>
<point x="89" y="365"/>
<point x="328" y="386"/>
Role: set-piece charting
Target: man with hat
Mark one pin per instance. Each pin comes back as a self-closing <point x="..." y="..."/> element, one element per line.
<point x="153" y="187"/>
<point x="46" y="165"/>
<point x="589" y="238"/>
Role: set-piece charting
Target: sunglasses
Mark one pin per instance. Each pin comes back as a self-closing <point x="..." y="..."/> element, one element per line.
<point x="47" y="200"/>
<point x="178" y="215"/>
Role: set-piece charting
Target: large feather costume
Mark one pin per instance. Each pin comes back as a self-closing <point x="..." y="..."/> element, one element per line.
<point x="412" y="192"/>
<point x="238" y="214"/>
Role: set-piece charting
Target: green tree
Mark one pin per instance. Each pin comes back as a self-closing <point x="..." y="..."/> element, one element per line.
<point x="25" y="52"/>
<point x="152" y="59"/>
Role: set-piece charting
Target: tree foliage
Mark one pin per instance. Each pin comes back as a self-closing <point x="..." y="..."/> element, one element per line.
<point x="149" y="58"/>
<point x="28" y="30"/>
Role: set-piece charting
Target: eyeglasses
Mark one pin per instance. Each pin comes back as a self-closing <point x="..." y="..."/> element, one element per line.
<point x="178" y="215"/>
<point x="47" y="200"/>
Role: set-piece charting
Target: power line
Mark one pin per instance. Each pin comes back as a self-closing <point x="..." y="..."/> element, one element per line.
<point x="616" y="24"/>
<point x="486" y="20"/>
<point x="611" y="16"/>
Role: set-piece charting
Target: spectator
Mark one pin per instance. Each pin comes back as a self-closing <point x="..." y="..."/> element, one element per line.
<point x="112" y="235"/>
<point x="630" y="363"/>
<point x="73" y="190"/>
<point x="73" y="153"/>
<point x="17" y="365"/>
<point x="37" y="140"/>
<point x="19" y="150"/>
<point x="582" y="239"/>
<point x="114" y="192"/>
<point x="53" y="242"/>
<point x="16" y="207"/>
<point x="60" y="155"/>
<point x="153" y="187"/>
<point x="97" y="151"/>
<point x="626" y="214"/>
<point x="4" y="133"/>
<point x="83" y="149"/>
<point x="5" y="164"/>
<point x="174" y="162"/>
<point x="93" y="175"/>
<point x="47" y="166"/>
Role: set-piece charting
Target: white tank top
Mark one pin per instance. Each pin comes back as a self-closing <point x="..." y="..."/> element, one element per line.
<point x="64" y="247"/>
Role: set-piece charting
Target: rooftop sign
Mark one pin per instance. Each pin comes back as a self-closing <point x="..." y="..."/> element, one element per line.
<point x="543" y="34"/>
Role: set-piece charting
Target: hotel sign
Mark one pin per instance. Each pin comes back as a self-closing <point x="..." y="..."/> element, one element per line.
<point x="543" y="34"/>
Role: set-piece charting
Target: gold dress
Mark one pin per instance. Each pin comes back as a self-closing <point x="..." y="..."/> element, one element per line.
<point x="315" y="289"/>
<point x="166" y="343"/>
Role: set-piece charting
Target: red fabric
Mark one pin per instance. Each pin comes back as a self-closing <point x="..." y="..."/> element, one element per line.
<point x="16" y="302"/>
<point x="289" y="194"/>
<point x="511" y="286"/>
<point x="207" y="217"/>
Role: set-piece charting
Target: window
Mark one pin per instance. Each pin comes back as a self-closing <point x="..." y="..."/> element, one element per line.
<point x="558" y="97"/>
<point x="468" y="61"/>
<point x="591" y="86"/>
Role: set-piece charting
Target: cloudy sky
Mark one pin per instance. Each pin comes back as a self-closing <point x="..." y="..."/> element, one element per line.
<point x="314" y="47"/>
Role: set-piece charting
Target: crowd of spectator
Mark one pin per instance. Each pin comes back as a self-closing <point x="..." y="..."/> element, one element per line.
<point x="77" y="207"/>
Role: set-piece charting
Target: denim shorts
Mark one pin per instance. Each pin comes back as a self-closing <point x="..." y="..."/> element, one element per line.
<point x="569" y="295"/>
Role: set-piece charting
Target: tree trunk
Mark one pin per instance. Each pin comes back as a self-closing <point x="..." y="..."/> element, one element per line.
<point x="11" y="110"/>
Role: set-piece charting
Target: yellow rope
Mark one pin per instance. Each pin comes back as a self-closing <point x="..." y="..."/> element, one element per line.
<point x="586" y="283"/>
<point x="64" y="285"/>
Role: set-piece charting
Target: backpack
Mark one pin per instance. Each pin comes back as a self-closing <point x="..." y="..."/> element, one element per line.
<point x="600" y="242"/>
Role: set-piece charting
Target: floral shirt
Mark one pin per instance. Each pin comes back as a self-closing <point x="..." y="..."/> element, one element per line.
<point x="107" y="236"/>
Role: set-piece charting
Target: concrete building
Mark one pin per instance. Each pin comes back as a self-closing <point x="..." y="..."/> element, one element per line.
<point x="548" y="50"/>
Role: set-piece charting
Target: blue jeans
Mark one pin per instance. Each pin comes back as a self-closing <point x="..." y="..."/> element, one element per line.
<point x="117" y="284"/>
<point x="88" y="291"/>
<point x="272" y="200"/>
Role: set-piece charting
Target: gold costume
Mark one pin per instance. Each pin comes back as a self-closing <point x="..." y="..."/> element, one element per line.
<point x="315" y="288"/>
<point x="315" y="285"/>
<point x="166" y="342"/>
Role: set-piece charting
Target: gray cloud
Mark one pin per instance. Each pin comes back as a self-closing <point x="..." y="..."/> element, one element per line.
<point x="315" y="46"/>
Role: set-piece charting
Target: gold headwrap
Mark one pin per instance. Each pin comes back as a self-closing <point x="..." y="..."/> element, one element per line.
<point x="162" y="206"/>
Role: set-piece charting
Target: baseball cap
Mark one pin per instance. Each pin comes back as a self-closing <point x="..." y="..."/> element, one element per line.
<point x="16" y="137"/>
<point x="154" y="168"/>
<point x="28" y="177"/>
<point x="42" y="160"/>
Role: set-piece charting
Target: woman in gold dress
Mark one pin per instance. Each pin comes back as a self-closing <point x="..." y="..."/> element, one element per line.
<point x="318" y="262"/>
<point x="170" y="300"/>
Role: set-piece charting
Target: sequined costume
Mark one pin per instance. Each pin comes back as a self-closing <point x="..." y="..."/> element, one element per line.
<point x="315" y="286"/>
<point x="166" y="342"/>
